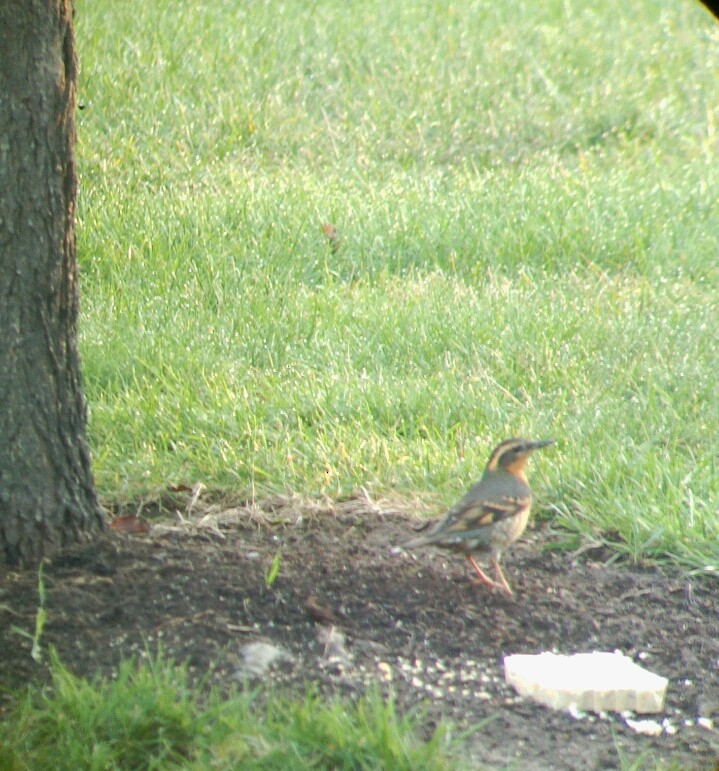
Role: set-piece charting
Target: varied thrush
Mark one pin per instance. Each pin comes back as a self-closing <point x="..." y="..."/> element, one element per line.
<point x="493" y="514"/>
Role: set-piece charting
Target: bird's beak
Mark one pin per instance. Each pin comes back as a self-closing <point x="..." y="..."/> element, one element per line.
<point x="541" y="443"/>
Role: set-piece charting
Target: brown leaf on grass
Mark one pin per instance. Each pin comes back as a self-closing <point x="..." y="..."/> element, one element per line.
<point x="129" y="524"/>
<point x="330" y="232"/>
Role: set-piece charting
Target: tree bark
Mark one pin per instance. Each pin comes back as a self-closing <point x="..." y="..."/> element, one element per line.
<point x="713" y="6"/>
<point x="47" y="496"/>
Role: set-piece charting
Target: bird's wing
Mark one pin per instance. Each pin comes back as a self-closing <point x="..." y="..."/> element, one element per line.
<point x="473" y="516"/>
<point x="478" y="514"/>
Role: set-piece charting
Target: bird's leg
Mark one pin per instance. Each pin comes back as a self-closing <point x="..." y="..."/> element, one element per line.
<point x="502" y="579"/>
<point x="483" y="577"/>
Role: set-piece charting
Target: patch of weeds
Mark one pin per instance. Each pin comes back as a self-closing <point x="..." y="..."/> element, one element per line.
<point x="149" y="717"/>
<point x="145" y="718"/>
<point x="40" y="619"/>
<point x="312" y="733"/>
<point x="273" y="571"/>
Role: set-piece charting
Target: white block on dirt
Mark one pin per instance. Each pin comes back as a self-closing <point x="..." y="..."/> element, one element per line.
<point x="600" y="682"/>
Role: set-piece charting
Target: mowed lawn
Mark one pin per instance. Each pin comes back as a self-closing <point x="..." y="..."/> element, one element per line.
<point x="521" y="236"/>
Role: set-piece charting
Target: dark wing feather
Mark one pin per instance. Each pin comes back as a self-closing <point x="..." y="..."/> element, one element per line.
<point x="471" y="521"/>
<point x="473" y="517"/>
<point x="480" y="514"/>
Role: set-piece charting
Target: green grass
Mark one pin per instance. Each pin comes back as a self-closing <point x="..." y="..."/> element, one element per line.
<point x="525" y="197"/>
<point x="149" y="717"/>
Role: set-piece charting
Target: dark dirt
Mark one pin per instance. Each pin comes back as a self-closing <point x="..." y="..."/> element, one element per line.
<point x="415" y="623"/>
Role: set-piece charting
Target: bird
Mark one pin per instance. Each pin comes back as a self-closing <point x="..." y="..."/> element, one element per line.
<point x="493" y="514"/>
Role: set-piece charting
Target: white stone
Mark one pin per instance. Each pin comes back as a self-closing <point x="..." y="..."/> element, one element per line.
<point x="258" y="657"/>
<point x="645" y="727"/>
<point x="385" y="671"/>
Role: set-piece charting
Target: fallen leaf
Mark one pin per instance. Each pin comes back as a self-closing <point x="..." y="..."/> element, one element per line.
<point x="129" y="524"/>
<point x="330" y="232"/>
<point x="320" y="614"/>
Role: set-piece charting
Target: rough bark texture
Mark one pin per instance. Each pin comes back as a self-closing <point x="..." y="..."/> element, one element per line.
<point x="713" y="6"/>
<point x="47" y="496"/>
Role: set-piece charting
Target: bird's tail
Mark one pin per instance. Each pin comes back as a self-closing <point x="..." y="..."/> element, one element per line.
<point x="423" y="540"/>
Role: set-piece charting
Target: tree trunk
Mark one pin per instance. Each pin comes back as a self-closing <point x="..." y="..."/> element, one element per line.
<point x="713" y="6"/>
<point x="47" y="496"/>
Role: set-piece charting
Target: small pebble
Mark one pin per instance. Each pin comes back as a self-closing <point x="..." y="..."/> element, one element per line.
<point x="385" y="671"/>
<point x="669" y="728"/>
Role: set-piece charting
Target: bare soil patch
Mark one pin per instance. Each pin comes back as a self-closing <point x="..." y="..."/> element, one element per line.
<point x="350" y="610"/>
